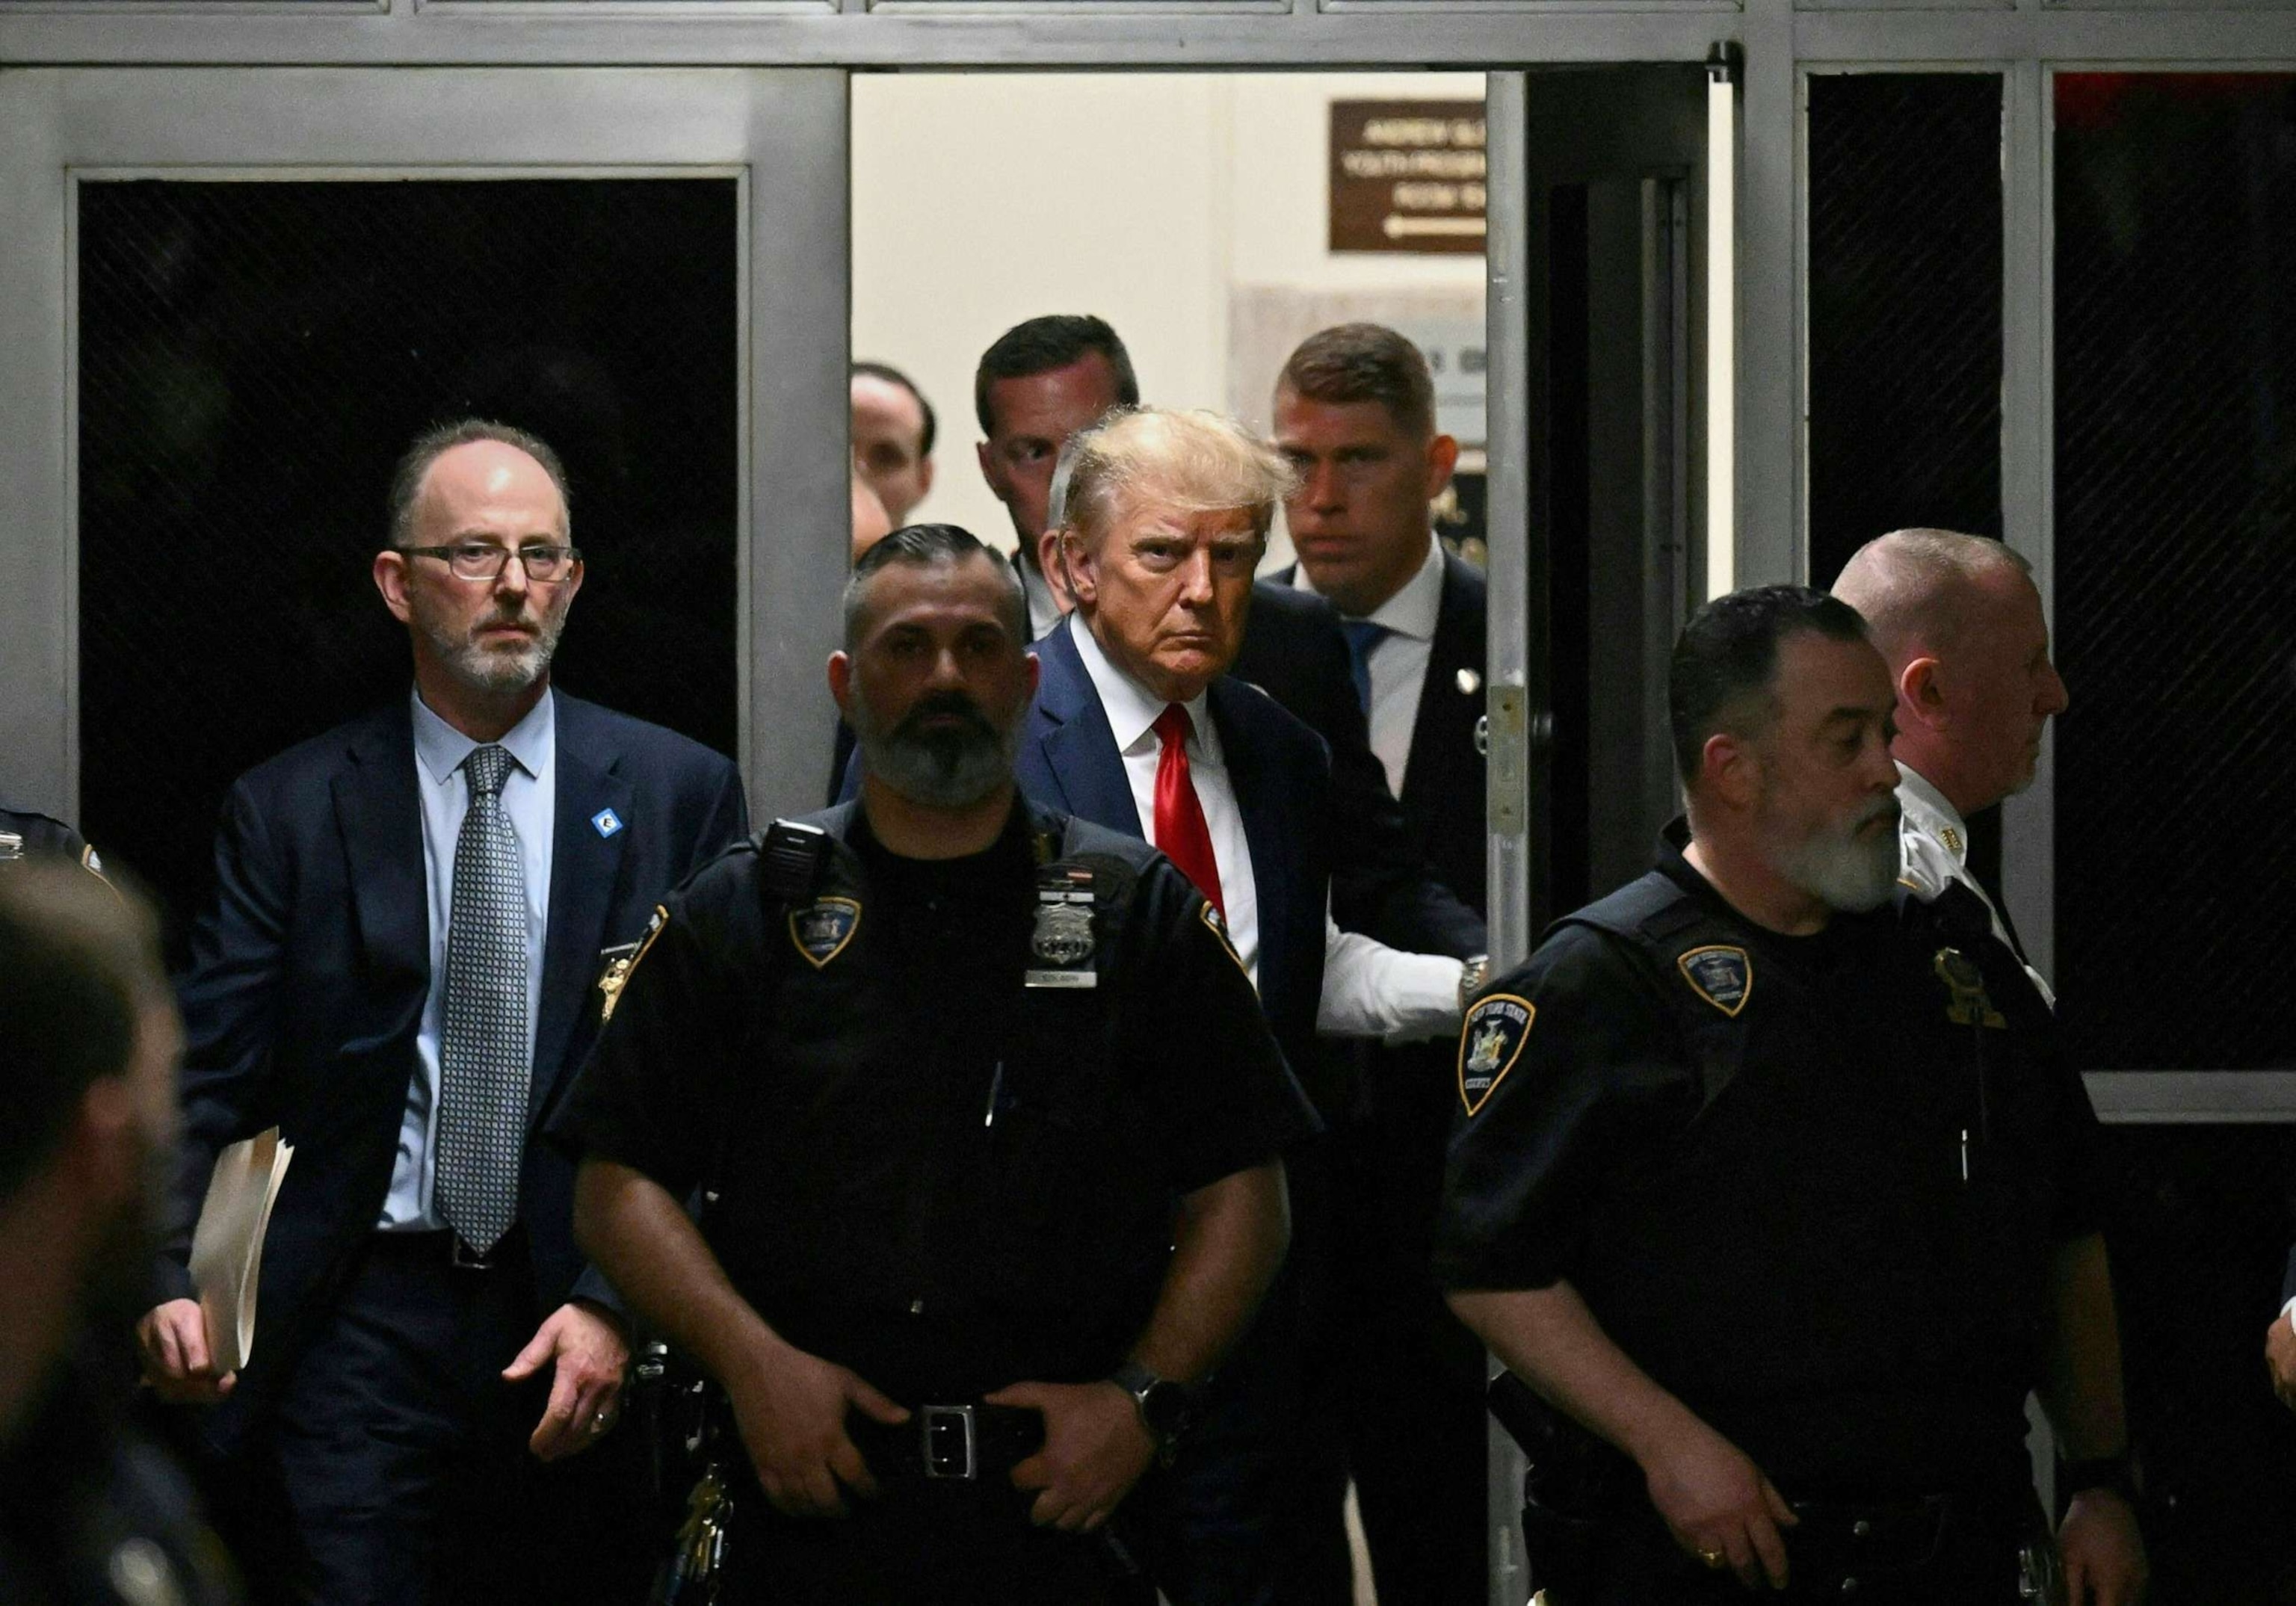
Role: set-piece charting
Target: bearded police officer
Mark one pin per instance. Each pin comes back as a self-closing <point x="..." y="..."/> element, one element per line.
<point x="990" y="1121"/>
<point x="1770" y="1180"/>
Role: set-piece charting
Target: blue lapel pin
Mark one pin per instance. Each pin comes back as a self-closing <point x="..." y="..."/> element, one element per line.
<point x="607" y="822"/>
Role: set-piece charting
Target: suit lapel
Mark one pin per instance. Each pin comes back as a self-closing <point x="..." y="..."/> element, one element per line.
<point x="1079" y="756"/>
<point x="1267" y="827"/>
<point x="379" y="813"/>
<point x="584" y="871"/>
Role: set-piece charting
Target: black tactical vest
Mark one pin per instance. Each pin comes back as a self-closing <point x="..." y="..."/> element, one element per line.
<point x="1837" y="1251"/>
<point x="949" y="1206"/>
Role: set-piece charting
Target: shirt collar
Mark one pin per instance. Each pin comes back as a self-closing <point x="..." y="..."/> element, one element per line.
<point x="1931" y="814"/>
<point x="1414" y="610"/>
<point x="1132" y="710"/>
<point x="441" y="748"/>
<point x="1044" y="608"/>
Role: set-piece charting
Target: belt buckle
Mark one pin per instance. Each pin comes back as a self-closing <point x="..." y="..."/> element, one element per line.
<point x="463" y="1257"/>
<point x="952" y="1446"/>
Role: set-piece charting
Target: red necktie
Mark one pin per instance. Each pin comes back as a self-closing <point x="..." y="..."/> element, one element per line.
<point x="1180" y="829"/>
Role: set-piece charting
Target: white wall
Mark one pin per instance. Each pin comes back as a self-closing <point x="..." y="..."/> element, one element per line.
<point x="982" y="198"/>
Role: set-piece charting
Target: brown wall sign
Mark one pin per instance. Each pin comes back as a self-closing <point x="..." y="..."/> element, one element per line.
<point x="1407" y="175"/>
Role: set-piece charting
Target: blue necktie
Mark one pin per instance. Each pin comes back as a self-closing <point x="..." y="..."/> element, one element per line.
<point x="1363" y="635"/>
<point x="485" y="1061"/>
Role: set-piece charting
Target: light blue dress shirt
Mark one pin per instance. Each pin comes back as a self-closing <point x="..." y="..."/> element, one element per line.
<point x="529" y="798"/>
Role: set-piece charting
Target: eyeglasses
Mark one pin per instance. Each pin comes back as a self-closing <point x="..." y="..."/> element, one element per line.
<point x="484" y="561"/>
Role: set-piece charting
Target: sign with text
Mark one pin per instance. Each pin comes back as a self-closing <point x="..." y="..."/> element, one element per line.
<point x="1407" y="175"/>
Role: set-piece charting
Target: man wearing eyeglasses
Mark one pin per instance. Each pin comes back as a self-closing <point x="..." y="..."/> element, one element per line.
<point x="412" y="913"/>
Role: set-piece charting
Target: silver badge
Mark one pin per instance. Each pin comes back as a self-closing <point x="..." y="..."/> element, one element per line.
<point x="1062" y="943"/>
<point x="1063" y="936"/>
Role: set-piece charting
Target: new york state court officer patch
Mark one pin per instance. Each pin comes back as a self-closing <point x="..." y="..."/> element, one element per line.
<point x="1490" y="1041"/>
<point x="822" y="928"/>
<point x="1723" y="976"/>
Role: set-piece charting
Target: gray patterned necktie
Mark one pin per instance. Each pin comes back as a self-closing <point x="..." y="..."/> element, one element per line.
<point x="484" y="1059"/>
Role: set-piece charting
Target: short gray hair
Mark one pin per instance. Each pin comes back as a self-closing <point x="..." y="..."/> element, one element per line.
<point x="1913" y="585"/>
<point x="1196" y="461"/>
<point x="437" y="441"/>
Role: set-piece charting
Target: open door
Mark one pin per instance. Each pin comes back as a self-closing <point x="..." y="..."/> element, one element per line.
<point x="1599" y="304"/>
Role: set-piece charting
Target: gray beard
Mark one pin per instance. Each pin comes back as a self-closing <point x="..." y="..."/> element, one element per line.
<point x="1841" y="872"/>
<point x="951" y="770"/>
<point x="483" y="669"/>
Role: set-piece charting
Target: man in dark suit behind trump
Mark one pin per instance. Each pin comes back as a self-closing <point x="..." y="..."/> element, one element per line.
<point x="412" y="911"/>
<point x="1354" y="417"/>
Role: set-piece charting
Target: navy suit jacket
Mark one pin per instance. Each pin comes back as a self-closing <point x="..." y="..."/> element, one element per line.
<point x="310" y="971"/>
<point x="1280" y="772"/>
<point x="1445" y="791"/>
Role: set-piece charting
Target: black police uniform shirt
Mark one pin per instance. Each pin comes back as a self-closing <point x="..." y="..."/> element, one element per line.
<point x="928" y="1171"/>
<point x="1809" y="1262"/>
<point x="90" y="1515"/>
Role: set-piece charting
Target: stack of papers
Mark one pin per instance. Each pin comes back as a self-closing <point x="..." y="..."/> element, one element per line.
<point x="227" y="1246"/>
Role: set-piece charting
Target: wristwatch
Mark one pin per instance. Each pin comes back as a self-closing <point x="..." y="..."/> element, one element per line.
<point x="1167" y="1409"/>
<point x="1472" y="973"/>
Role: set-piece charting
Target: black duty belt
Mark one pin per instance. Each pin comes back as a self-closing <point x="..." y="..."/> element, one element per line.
<point x="950" y="1444"/>
<point x="1899" y="1535"/>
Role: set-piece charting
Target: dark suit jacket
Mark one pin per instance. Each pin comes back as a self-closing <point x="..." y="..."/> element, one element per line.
<point x="310" y="971"/>
<point x="1445" y="799"/>
<point x="1282" y="775"/>
<point x="1388" y="882"/>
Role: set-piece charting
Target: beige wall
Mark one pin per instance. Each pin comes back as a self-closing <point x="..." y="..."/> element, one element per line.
<point x="979" y="200"/>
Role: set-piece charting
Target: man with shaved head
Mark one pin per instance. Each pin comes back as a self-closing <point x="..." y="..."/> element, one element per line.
<point x="412" y="913"/>
<point x="1959" y="621"/>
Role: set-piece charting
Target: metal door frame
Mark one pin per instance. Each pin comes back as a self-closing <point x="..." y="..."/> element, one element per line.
<point x="781" y="132"/>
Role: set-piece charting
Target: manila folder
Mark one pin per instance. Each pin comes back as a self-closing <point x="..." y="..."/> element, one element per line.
<point x="227" y="1246"/>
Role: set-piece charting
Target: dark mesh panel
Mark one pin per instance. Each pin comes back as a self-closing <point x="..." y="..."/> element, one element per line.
<point x="2176" y="483"/>
<point x="1905" y="307"/>
<point x="254" y="357"/>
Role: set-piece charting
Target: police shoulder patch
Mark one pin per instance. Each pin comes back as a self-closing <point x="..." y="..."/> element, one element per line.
<point x="1722" y="975"/>
<point x="822" y="928"/>
<point x="1218" y="925"/>
<point x="623" y="958"/>
<point x="1490" y="1041"/>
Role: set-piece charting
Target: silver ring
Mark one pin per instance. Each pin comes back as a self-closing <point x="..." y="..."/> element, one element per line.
<point x="600" y="1422"/>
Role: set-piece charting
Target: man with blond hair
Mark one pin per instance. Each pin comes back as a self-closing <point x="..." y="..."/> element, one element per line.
<point x="1161" y="518"/>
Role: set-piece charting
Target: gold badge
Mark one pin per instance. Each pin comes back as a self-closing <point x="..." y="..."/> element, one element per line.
<point x="1966" y="983"/>
<point x="1722" y="975"/>
<point x="1490" y="1041"/>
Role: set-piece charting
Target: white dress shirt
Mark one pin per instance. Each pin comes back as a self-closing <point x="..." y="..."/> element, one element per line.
<point x="1933" y="853"/>
<point x="529" y="800"/>
<point x="1369" y="990"/>
<point x="1398" y="660"/>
